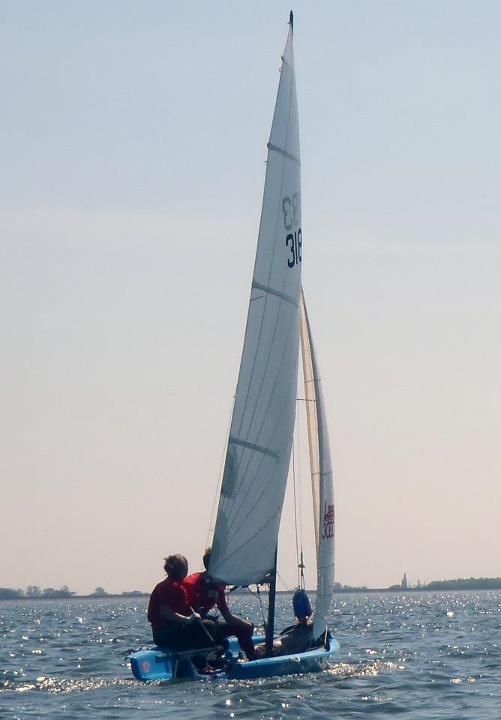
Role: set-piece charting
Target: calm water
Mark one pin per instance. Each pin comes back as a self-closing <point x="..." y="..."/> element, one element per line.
<point x="414" y="656"/>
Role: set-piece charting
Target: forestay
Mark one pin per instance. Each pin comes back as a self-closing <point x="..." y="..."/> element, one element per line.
<point x="321" y="477"/>
<point x="259" y="443"/>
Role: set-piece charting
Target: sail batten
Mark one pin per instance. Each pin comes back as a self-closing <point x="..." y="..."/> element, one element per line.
<point x="272" y="291"/>
<point x="253" y="446"/>
<point x="256" y="466"/>
<point x="284" y="152"/>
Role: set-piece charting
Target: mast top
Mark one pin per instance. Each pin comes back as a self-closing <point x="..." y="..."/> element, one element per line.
<point x="291" y="21"/>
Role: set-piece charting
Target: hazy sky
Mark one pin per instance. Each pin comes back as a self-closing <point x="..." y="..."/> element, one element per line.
<point x="132" y="149"/>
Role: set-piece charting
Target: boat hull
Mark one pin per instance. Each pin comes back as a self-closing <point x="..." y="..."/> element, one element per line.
<point x="163" y="664"/>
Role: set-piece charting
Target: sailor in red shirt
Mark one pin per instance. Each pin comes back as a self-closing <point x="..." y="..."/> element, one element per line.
<point x="204" y="593"/>
<point x="173" y="621"/>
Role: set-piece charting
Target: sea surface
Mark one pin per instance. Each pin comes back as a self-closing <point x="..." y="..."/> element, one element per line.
<point x="406" y="655"/>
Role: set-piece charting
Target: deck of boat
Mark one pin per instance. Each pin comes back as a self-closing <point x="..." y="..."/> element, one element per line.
<point x="157" y="663"/>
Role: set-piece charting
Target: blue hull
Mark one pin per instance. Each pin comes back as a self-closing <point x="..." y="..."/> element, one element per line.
<point x="162" y="664"/>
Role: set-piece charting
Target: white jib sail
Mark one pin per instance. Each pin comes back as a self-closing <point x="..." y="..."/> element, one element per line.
<point x="321" y="478"/>
<point x="260" y="439"/>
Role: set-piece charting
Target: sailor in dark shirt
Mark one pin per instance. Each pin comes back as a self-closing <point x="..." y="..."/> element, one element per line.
<point x="204" y="593"/>
<point x="173" y="622"/>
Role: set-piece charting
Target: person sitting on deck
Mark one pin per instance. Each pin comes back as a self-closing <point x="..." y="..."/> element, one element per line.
<point x="298" y="637"/>
<point x="173" y="622"/>
<point x="295" y="638"/>
<point x="204" y="593"/>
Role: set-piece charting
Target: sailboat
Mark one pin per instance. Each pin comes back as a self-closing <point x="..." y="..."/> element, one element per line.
<point x="258" y="454"/>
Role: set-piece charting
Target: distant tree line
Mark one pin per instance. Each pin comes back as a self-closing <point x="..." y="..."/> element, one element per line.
<point x="465" y="584"/>
<point x="338" y="587"/>
<point x="459" y="584"/>
<point x="33" y="592"/>
<point x="100" y="592"/>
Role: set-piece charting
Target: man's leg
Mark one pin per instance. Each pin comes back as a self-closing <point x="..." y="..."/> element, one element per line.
<point x="243" y="633"/>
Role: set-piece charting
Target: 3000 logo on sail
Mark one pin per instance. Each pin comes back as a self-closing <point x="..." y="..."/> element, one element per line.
<point x="294" y="237"/>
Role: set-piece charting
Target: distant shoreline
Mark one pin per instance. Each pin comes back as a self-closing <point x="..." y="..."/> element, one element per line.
<point x="75" y="596"/>
<point x="461" y="585"/>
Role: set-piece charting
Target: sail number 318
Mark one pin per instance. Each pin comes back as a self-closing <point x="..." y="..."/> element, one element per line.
<point x="294" y="238"/>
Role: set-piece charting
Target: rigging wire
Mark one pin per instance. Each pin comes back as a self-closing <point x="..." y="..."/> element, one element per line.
<point x="301" y="567"/>
<point x="301" y="563"/>
<point x="283" y="582"/>
<point x="296" y="484"/>
<point x="258" y="595"/>
<point x="298" y="431"/>
<point x="295" y="504"/>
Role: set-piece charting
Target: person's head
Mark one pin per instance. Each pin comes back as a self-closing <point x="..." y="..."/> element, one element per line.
<point x="176" y="567"/>
<point x="206" y="557"/>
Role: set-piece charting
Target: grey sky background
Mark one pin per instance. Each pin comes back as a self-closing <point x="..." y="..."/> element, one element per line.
<point x="132" y="149"/>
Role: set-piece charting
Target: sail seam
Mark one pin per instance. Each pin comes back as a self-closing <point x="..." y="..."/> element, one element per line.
<point x="284" y="153"/>
<point x="277" y="293"/>
<point x="252" y="446"/>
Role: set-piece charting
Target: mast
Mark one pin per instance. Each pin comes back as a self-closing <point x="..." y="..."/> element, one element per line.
<point x="270" y="626"/>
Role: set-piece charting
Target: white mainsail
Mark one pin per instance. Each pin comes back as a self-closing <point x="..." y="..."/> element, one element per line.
<point x="260" y="439"/>
<point x="321" y="477"/>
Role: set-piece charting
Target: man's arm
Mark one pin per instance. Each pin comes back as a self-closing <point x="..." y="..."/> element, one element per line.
<point x="226" y="612"/>
<point x="169" y="614"/>
<point x="222" y="605"/>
